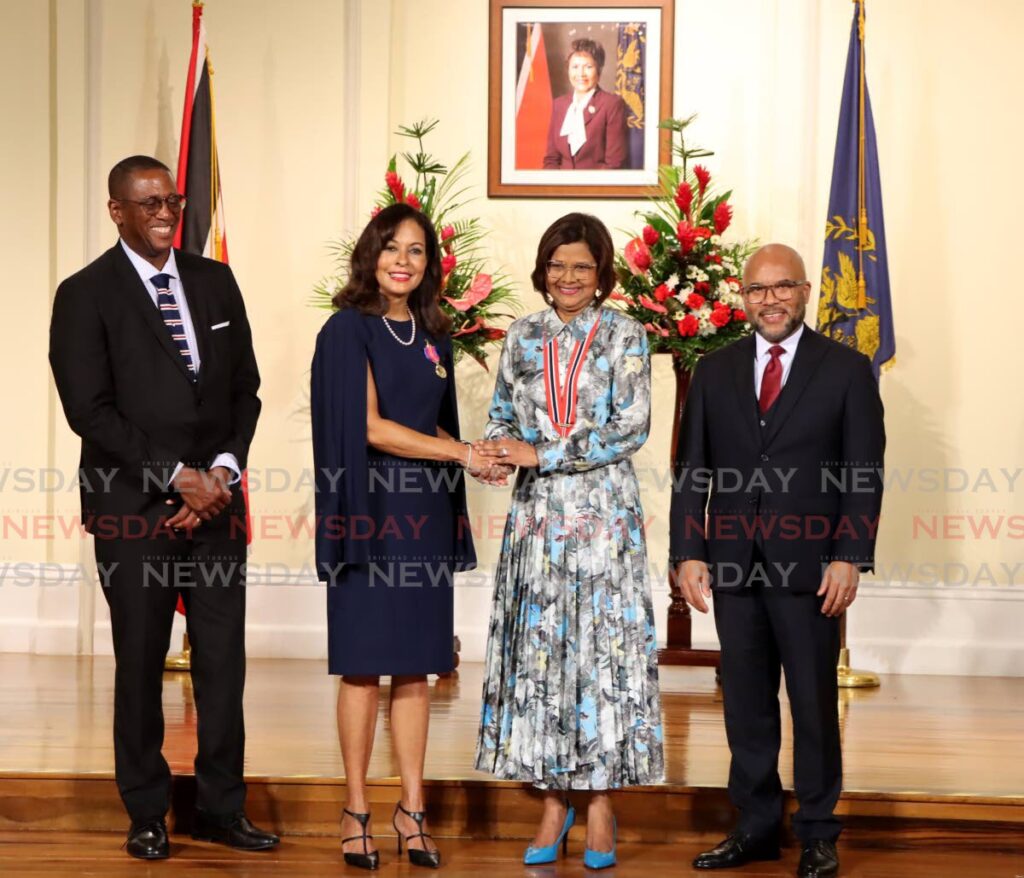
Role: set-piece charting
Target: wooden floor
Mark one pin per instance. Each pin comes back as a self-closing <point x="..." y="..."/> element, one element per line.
<point x="89" y="854"/>
<point x="933" y="736"/>
<point x="934" y="779"/>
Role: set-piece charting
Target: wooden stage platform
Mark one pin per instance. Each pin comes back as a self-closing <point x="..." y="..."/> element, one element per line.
<point x="934" y="770"/>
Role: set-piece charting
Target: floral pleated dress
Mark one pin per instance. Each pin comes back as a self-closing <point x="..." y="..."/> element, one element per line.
<point x="570" y="696"/>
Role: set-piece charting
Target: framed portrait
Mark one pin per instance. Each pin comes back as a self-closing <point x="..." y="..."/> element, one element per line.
<point x="576" y="91"/>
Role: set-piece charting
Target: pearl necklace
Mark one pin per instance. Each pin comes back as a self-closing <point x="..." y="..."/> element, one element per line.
<point x="412" y="338"/>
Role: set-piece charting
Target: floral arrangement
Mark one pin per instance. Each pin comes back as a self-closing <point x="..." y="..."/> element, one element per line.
<point x="677" y="276"/>
<point x="471" y="296"/>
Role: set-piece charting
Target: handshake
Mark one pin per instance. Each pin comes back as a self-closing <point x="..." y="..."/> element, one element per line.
<point x="492" y="461"/>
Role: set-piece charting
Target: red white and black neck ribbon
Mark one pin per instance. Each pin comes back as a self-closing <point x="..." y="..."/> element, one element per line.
<point x="561" y="398"/>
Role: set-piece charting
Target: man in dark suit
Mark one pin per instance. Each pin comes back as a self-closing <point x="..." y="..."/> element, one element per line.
<point x="153" y="360"/>
<point x="775" y="509"/>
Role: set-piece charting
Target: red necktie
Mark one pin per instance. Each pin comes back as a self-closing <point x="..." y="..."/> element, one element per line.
<point x="771" y="382"/>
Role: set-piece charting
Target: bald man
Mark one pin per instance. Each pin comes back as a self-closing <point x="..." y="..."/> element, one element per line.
<point x="774" y="512"/>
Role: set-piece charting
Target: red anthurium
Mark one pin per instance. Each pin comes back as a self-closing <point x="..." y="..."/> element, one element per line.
<point x="651" y="305"/>
<point x="471" y="328"/>
<point x="478" y="290"/>
<point x="492" y="333"/>
<point x="723" y="216"/>
<point x="638" y="256"/>
<point x="618" y="297"/>
<point x="651" y="236"/>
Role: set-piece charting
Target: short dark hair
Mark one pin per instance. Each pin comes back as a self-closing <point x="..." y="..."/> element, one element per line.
<point x="117" y="179"/>
<point x="569" y="229"/>
<point x="362" y="291"/>
<point x="588" y="47"/>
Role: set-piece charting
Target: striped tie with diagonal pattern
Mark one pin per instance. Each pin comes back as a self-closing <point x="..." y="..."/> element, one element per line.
<point x="168" y="306"/>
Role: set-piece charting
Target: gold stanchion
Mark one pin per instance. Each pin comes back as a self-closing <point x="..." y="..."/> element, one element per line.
<point x="847" y="677"/>
<point x="183" y="660"/>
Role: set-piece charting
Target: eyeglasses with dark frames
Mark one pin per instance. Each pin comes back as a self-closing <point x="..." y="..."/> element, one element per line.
<point x="783" y="290"/>
<point x="152" y="205"/>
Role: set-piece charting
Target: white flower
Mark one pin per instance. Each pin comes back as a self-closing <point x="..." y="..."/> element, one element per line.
<point x="715" y="239"/>
<point x="691" y="271"/>
<point x="702" y="275"/>
<point x="672" y="282"/>
<point x="684" y="291"/>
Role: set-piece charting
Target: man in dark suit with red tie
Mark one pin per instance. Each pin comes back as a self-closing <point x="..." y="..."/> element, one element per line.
<point x="153" y="360"/>
<point x="775" y="510"/>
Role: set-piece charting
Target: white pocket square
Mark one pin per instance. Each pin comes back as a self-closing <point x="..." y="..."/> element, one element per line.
<point x="220" y="325"/>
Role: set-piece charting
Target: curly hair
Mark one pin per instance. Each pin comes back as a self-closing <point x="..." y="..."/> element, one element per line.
<point x="362" y="291"/>
<point x="587" y="47"/>
<point x="569" y="229"/>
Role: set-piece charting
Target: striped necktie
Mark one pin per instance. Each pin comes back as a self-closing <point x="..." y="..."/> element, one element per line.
<point x="168" y="306"/>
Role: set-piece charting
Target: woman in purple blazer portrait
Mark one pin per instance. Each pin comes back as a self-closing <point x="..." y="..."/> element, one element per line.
<point x="588" y="125"/>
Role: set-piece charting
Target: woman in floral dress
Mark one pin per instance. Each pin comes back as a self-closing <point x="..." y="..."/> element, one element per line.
<point x="571" y="689"/>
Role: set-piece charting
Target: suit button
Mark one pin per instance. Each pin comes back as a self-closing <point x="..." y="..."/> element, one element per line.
<point x="764" y="457"/>
<point x="752" y="501"/>
<point x="764" y="423"/>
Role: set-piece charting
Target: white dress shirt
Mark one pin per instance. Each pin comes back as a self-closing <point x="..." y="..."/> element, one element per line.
<point x="762" y="357"/>
<point x="146" y="273"/>
<point x="574" y="125"/>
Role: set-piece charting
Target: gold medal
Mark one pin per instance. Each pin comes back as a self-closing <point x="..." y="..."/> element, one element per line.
<point x="440" y="371"/>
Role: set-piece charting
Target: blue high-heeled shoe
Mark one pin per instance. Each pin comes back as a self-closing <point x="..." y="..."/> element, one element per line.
<point x="539" y="856"/>
<point x="602" y="859"/>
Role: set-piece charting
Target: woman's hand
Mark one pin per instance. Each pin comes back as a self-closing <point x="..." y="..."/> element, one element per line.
<point x="494" y="475"/>
<point x="510" y="452"/>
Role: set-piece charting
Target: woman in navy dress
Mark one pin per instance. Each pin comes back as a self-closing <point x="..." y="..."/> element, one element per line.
<point x="390" y="508"/>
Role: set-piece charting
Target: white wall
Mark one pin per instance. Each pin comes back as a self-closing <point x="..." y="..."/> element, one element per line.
<point x="308" y="95"/>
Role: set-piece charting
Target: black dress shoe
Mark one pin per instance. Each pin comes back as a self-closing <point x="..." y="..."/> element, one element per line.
<point x="235" y="830"/>
<point x="818" y="859"/>
<point x="147" y="840"/>
<point x="736" y="850"/>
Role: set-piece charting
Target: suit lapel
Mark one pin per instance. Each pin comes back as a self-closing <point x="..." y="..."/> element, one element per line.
<point x="808" y="355"/>
<point x="139" y="297"/>
<point x="193" y="286"/>
<point x="743" y="375"/>
<point x="593" y="105"/>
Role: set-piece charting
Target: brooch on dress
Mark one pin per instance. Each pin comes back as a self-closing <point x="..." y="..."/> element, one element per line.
<point x="430" y="352"/>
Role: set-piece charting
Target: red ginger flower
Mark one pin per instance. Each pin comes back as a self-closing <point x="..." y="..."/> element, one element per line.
<point x="723" y="216"/>
<point x="687" y="236"/>
<point x="396" y="185"/>
<point x="376" y="210"/>
<point x="651" y="236"/>
<point x="684" y="197"/>
<point x="688" y="326"/>
<point x="413" y="201"/>
<point x="448" y="264"/>
<point x="703" y="177"/>
<point x="447" y="233"/>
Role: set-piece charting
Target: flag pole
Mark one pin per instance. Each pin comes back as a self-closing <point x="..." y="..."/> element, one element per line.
<point x="847" y="677"/>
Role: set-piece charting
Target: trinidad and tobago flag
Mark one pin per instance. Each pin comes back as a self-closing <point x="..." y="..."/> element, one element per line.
<point x="202" y="228"/>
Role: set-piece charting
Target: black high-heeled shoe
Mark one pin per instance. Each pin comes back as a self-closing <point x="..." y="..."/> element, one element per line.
<point x="418" y="857"/>
<point x="367" y="859"/>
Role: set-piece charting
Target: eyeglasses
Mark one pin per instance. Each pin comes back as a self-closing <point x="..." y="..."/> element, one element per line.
<point x="783" y="290"/>
<point x="152" y="205"/>
<point x="582" y="270"/>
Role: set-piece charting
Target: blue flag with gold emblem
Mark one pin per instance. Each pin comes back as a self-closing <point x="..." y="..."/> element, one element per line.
<point x="855" y="306"/>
